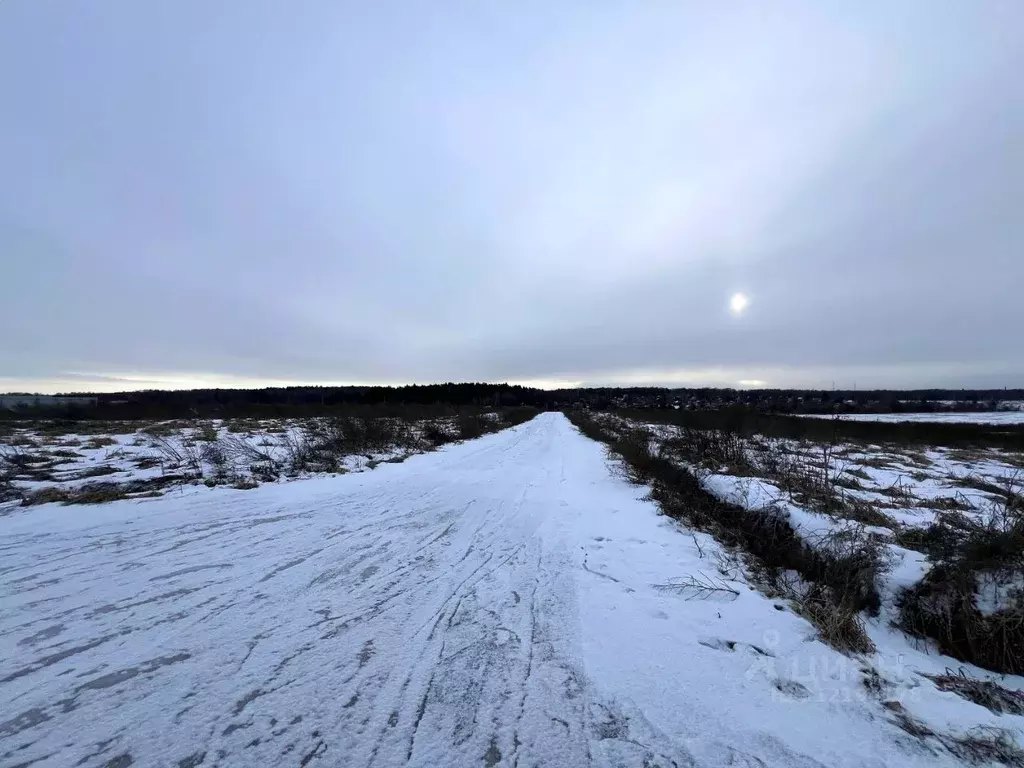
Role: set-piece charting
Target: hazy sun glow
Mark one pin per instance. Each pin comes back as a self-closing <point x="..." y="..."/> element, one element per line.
<point x="738" y="303"/>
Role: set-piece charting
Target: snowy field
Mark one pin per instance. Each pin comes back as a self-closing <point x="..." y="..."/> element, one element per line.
<point x="506" y="601"/>
<point x="50" y="461"/>
<point x="144" y="461"/>
<point x="974" y="417"/>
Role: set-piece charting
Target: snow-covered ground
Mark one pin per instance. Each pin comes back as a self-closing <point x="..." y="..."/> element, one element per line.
<point x="507" y="601"/>
<point x="973" y="417"/>
<point x="159" y="456"/>
<point x="43" y="461"/>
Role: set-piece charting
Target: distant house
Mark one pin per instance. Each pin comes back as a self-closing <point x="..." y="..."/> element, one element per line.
<point x="13" y="402"/>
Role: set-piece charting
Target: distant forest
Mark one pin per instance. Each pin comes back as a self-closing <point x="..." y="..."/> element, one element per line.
<point x="283" y="401"/>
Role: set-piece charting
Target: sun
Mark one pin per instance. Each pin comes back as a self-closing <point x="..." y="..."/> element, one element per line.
<point x="738" y="303"/>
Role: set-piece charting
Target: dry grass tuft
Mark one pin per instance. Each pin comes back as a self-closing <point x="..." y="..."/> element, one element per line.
<point x="986" y="693"/>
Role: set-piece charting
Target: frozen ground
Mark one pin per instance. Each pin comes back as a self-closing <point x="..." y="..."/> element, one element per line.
<point x="181" y="456"/>
<point x="977" y="417"/>
<point x="507" y="601"/>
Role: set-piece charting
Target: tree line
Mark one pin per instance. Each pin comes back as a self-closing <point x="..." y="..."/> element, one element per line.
<point x="311" y="400"/>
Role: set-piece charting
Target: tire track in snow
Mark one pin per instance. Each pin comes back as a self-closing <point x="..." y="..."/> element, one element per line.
<point x="420" y="614"/>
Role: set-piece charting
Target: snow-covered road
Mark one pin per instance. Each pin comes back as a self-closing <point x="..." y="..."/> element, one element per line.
<point x="493" y="603"/>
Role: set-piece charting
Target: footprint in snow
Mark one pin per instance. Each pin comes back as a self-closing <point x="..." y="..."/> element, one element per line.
<point x="718" y="644"/>
<point x="792" y="688"/>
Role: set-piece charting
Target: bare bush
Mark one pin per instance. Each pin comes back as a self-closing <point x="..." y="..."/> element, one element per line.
<point x="711" y="448"/>
<point x="184" y="454"/>
<point x="167" y="449"/>
<point x="472" y="425"/>
<point x="18" y="463"/>
<point x="436" y="434"/>
<point x="297" y="451"/>
<point x="14" y="459"/>
<point x="699" y="587"/>
<point x="321" y="444"/>
<point x="263" y="465"/>
<point x="969" y="555"/>
<point x="213" y="454"/>
<point x="331" y="439"/>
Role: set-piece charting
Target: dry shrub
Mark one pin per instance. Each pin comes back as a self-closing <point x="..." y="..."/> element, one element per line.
<point x="634" y="447"/>
<point x="263" y="465"/>
<point x="97" y="493"/>
<point x="14" y="459"/>
<point x="322" y="444"/>
<point x="983" y="745"/>
<point x="837" y="622"/>
<point x="983" y="692"/>
<point x="102" y="492"/>
<point x="944" y="606"/>
<point x="986" y="745"/>
<point x="90" y="493"/>
<point x="340" y="436"/>
<point x="712" y="448"/>
<point x="45" y="496"/>
<point x="436" y="434"/>
<point x="206" y="433"/>
<point x="471" y="426"/>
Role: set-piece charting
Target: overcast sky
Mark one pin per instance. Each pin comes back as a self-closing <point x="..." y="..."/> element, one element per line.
<point x="243" y="192"/>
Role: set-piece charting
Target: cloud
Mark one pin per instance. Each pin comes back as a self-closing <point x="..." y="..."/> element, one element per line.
<point x="560" y="193"/>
